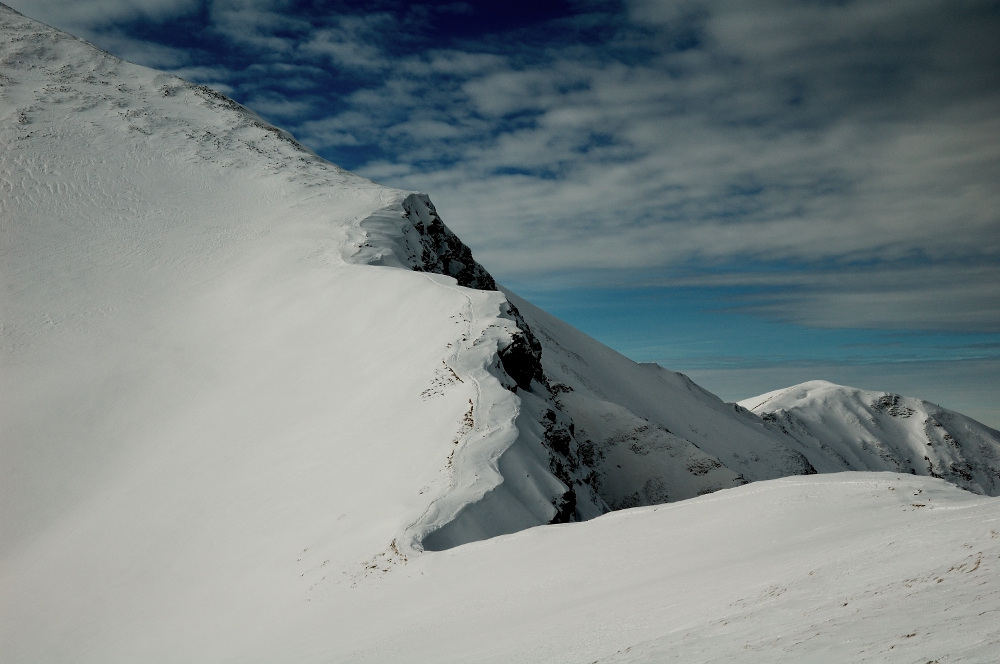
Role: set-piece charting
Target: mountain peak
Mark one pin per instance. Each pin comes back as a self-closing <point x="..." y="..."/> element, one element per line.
<point x="847" y="428"/>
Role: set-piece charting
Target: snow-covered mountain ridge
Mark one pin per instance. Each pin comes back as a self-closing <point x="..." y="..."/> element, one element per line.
<point x="248" y="399"/>
<point x="588" y="429"/>
<point x="844" y="428"/>
<point x="153" y="227"/>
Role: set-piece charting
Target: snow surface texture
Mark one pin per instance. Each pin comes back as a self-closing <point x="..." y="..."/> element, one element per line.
<point x="844" y="428"/>
<point x="233" y="429"/>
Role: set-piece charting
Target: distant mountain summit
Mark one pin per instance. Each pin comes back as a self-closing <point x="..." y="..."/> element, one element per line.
<point x="845" y="428"/>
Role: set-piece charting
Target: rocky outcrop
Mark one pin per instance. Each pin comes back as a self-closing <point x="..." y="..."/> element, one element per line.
<point x="522" y="357"/>
<point x="410" y="234"/>
<point x="441" y="251"/>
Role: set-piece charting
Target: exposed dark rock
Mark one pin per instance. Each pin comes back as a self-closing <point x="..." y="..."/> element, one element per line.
<point x="518" y="362"/>
<point x="889" y="404"/>
<point x="590" y="454"/>
<point x="522" y="358"/>
<point x="566" y="461"/>
<point x="565" y="508"/>
<point x="558" y="437"/>
<point x="962" y="470"/>
<point x="703" y="466"/>
<point x="443" y="253"/>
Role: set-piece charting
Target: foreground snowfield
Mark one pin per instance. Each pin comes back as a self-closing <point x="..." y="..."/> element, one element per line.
<point x="848" y="567"/>
<point x="835" y="568"/>
<point x="251" y="405"/>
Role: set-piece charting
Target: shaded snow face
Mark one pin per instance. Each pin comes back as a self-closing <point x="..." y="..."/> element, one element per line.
<point x="651" y="435"/>
<point x="844" y="428"/>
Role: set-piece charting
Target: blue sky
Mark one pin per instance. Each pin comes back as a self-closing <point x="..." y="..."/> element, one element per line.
<point x="753" y="193"/>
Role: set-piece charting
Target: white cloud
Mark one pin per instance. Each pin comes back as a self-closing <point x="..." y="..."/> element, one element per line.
<point x="352" y="41"/>
<point x="451" y="62"/>
<point x="771" y="145"/>
<point x="275" y="106"/>
<point x="143" y="52"/>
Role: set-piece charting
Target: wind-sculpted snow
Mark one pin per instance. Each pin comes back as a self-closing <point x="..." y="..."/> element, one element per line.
<point x="845" y="428"/>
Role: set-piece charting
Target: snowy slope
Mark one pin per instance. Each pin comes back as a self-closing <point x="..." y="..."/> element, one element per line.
<point x="204" y="329"/>
<point x="825" y="568"/>
<point x="845" y="428"/>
